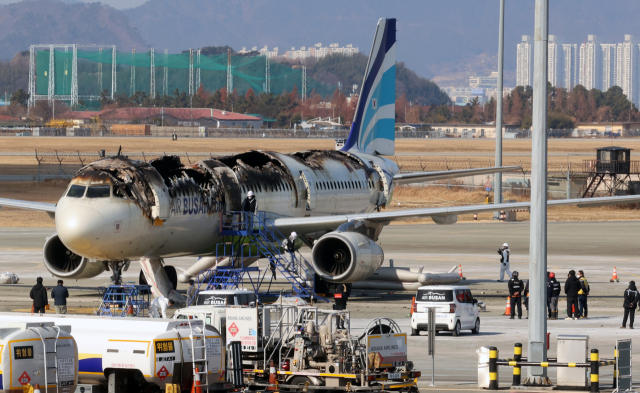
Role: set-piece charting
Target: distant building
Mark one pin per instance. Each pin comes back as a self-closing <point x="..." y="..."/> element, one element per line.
<point x="171" y="116"/>
<point x="628" y="67"/>
<point x="318" y="51"/>
<point x="470" y="130"/>
<point x="555" y="58"/>
<point x="524" y="66"/>
<point x="609" y="65"/>
<point x="484" y="82"/>
<point x="273" y="53"/>
<point x="570" y="66"/>
<point x="590" y="71"/>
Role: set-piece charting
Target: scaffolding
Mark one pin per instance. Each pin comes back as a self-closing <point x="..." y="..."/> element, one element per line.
<point x="75" y="72"/>
<point x="72" y="95"/>
<point x="247" y="237"/>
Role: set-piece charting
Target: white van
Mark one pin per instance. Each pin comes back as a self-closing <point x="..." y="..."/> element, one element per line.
<point x="456" y="309"/>
<point x="225" y="297"/>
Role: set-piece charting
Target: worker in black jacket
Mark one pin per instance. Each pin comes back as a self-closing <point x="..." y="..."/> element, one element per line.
<point x="553" y="292"/>
<point x="39" y="295"/>
<point x="249" y="205"/>
<point x="340" y="297"/>
<point x="571" y="289"/>
<point x="516" y="287"/>
<point x="631" y="298"/>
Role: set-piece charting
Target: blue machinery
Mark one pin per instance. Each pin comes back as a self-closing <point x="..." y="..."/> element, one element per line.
<point x="125" y="301"/>
<point x="247" y="237"/>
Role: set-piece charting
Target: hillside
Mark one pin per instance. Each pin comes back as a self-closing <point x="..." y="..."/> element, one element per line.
<point x="52" y="21"/>
<point x="350" y="70"/>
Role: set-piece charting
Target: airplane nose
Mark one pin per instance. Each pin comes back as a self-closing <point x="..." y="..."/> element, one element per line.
<point x="79" y="227"/>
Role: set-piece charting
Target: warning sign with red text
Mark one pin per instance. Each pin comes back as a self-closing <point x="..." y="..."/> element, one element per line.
<point x="243" y="327"/>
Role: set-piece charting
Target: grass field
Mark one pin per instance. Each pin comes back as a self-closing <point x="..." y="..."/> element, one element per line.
<point x="403" y="198"/>
<point x="205" y="145"/>
<point x="411" y="154"/>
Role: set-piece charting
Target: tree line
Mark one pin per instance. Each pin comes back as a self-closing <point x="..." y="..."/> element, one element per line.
<point x="565" y="108"/>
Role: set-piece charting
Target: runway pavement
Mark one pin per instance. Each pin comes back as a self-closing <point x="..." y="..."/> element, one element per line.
<point x="595" y="247"/>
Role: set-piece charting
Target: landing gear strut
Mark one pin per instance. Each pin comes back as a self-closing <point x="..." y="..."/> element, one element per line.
<point x="117" y="267"/>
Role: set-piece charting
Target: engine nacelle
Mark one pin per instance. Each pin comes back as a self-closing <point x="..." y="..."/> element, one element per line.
<point x="64" y="263"/>
<point x="345" y="257"/>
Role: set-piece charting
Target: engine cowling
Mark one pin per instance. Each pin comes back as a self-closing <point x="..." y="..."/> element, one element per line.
<point x="64" y="263"/>
<point x="345" y="257"/>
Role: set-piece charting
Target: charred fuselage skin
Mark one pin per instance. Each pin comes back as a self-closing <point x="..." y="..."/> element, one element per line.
<point x="163" y="208"/>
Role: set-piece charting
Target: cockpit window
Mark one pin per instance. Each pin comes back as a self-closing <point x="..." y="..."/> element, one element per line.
<point x="76" y="191"/>
<point x="98" y="191"/>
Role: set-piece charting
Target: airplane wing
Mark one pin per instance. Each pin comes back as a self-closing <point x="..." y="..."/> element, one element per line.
<point x="49" y="208"/>
<point x="419" y="177"/>
<point x="329" y="223"/>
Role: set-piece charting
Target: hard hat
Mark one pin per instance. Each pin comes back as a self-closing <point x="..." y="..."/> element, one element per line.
<point x="505" y="245"/>
<point x="250" y="193"/>
<point x="514" y="274"/>
<point x="552" y="275"/>
<point x="294" y="235"/>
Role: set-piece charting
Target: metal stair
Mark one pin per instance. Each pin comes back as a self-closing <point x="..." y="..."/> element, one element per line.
<point x="200" y="364"/>
<point x="47" y="354"/>
<point x="118" y="300"/>
<point x="247" y="237"/>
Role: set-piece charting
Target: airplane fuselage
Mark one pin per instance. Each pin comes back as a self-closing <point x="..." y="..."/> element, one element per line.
<point x="290" y="185"/>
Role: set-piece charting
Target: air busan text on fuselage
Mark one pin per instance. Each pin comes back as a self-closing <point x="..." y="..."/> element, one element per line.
<point x="117" y="210"/>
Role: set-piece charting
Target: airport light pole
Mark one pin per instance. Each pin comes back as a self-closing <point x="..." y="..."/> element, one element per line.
<point x="497" y="179"/>
<point x="538" y="226"/>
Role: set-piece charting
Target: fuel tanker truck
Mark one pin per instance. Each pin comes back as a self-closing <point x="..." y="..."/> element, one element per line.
<point x="135" y="355"/>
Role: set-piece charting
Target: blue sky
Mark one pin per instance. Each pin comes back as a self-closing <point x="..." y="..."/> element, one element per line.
<point x="119" y="4"/>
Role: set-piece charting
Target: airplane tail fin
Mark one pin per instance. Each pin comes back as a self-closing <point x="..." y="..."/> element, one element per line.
<point x="373" y="127"/>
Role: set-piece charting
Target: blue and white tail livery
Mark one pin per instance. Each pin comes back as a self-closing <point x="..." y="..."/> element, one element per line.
<point x="373" y="128"/>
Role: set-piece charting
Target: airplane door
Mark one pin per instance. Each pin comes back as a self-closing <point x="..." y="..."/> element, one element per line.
<point x="384" y="195"/>
<point x="162" y="207"/>
<point x="310" y="186"/>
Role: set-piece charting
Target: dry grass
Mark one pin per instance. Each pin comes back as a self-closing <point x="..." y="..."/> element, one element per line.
<point x="48" y="191"/>
<point x="137" y="144"/>
<point x="437" y="196"/>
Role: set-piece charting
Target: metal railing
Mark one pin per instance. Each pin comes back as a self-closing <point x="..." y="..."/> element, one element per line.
<point x="611" y="166"/>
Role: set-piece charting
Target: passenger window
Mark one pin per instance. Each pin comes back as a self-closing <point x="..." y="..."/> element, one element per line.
<point x="460" y="296"/>
<point x="76" y="191"/>
<point x="467" y="296"/>
<point x="182" y="317"/>
<point x="99" y="192"/>
<point x="208" y="320"/>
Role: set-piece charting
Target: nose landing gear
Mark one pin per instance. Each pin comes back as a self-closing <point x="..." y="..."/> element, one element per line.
<point x="116" y="268"/>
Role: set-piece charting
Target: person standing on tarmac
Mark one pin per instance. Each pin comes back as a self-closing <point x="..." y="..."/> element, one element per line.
<point x="60" y="294"/>
<point x="504" y="261"/>
<point x="516" y="286"/>
<point x="340" y="297"/>
<point x="548" y="298"/>
<point x="553" y="291"/>
<point x="571" y="289"/>
<point x="582" y="295"/>
<point x="631" y="299"/>
<point x="39" y="295"/>
<point x="526" y="297"/>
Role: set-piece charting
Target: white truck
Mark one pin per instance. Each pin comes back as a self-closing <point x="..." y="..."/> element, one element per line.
<point x="456" y="309"/>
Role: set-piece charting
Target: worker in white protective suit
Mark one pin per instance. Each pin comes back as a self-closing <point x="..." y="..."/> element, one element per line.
<point x="158" y="307"/>
<point x="504" y="261"/>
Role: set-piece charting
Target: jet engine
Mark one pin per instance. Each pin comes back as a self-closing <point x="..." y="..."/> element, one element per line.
<point x="345" y="257"/>
<point x="64" y="263"/>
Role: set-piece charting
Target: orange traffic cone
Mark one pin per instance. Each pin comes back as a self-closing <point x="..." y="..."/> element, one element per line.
<point x="614" y="278"/>
<point x="130" y="311"/>
<point x="36" y="388"/>
<point x="508" y="310"/>
<point x="413" y="304"/>
<point x="460" y="271"/>
<point x="196" y="388"/>
<point x="273" y="380"/>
